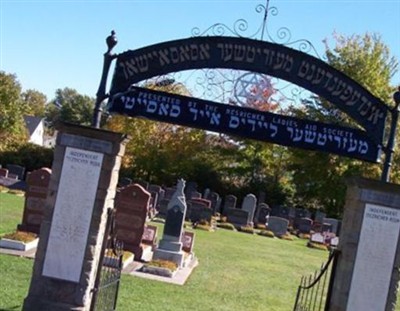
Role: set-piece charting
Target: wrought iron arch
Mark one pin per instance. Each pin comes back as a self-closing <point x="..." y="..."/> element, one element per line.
<point x="256" y="56"/>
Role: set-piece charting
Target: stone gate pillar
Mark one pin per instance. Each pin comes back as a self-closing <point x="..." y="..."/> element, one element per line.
<point x="82" y="187"/>
<point x="367" y="273"/>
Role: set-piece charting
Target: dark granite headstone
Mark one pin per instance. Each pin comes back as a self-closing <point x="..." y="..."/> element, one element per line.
<point x="35" y="199"/>
<point x="17" y="170"/>
<point x="263" y="211"/>
<point x="132" y="205"/>
<point x="304" y="225"/>
<point x="237" y="216"/>
<point x="277" y="225"/>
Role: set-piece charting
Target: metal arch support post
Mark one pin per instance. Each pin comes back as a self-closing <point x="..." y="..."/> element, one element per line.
<point x="392" y="139"/>
<point x="101" y="92"/>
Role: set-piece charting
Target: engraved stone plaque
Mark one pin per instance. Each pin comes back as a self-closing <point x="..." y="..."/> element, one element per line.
<point x="72" y="214"/>
<point x="375" y="258"/>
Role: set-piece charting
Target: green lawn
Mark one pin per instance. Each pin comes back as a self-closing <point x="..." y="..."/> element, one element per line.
<point x="236" y="271"/>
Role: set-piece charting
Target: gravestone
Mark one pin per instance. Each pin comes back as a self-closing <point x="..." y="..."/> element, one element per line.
<point x="229" y="202"/>
<point x="188" y="241"/>
<point x="169" y="192"/>
<point x="237" y="217"/>
<point x="263" y="211"/>
<point x="319" y="217"/>
<point x="3" y="172"/>
<point x="80" y="193"/>
<point x="170" y="246"/>
<point x="277" y="225"/>
<point x="162" y="208"/>
<point x="132" y="205"/>
<point x="317" y="238"/>
<point x="35" y="199"/>
<point x="199" y="210"/>
<point x="335" y="224"/>
<point x="304" y="225"/>
<point x="249" y="205"/>
<point x="215" y="202"/>
<point x="125" y="181"/>
<point x="191" y="190"/>
<point x="280" y="211"/>
<point x="16" y="170"/>
<point x="207" y="193"/>
<point x="149" y="236"/>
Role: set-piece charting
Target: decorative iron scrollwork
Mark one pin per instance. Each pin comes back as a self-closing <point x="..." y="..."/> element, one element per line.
<point x="240" y="28"/>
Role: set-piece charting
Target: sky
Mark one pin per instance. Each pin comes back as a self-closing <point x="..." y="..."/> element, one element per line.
<point x="53" y="44"/>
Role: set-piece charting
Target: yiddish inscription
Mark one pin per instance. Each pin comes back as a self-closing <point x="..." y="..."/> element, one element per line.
<point x="255" y="56"/>
<point x="72" y="214"/>
<point x="375" y="258"/>
<point x="245" y="122"/>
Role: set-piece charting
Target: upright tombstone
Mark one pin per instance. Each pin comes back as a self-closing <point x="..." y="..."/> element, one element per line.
<point x="170" y="246"/>
<point x="335" y="225"/>
<point x="215" y="202"/>
<point x="16" y="170"/>
<point x="367" y="271"/>
<point x="278" y="225"/>
<point x="3" y="172"/>
<point x="249" y="205"/>
<point x="35" y="199"/>
<point x="263" y="211"/>
<point x="132" y="205"/>
<point x="229" y="202"/>
<point x="81" y="191"/>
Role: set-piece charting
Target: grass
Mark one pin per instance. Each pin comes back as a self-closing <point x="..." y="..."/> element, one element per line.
<point x="11" y="209"/>
<point x="236" y="272"/>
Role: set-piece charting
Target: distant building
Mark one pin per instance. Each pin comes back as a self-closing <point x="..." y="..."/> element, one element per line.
<point x="35" y="127"/>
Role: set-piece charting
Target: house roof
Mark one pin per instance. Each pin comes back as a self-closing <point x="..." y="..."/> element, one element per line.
<point x="32" y="123"/>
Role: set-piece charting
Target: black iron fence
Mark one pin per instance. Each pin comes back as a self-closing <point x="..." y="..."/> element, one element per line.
<point x="314" y="291"/>
<point x="105" y="291"/>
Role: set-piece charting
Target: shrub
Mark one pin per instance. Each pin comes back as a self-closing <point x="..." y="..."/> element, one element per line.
<point x="322" y="247"/>
<point x="247" y="229"/>
<point x="267" y="233"/>
<point x="203" y="227"/>
<point x="163" y="264"/>
<point x="4" y="189"/>
<point x="21" y="236"/>
<point x="16" y="192"/>
<point x="261" y="226"/>
<point x="287" y="237"/>
<point x="30" y="156"/>
<point x="226" y="225"/>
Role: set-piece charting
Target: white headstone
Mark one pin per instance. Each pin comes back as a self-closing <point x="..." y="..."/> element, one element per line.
<point x="249" y="205"/>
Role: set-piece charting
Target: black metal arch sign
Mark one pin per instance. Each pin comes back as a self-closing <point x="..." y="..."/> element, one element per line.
<point x="256" y="56"/>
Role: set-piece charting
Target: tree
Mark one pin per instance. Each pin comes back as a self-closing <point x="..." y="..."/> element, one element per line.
<point x="12" y="109"/>
<point x="70" y="106"/>
<point x="35" y="102"/>
<point x="319" y="177"/>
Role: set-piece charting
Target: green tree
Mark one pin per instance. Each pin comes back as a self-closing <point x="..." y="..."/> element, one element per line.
<point x="35" y="102"/>
<point x="12" y="109"/>
<point x="70" y="106"/>
<point x="320" y="177"/>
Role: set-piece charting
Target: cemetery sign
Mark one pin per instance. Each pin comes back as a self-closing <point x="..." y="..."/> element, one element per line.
<point x="255" y="56"/>
<point x="244" y="122"/>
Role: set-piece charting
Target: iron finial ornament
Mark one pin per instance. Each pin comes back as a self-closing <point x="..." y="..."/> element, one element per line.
<point x="111" y="41"/>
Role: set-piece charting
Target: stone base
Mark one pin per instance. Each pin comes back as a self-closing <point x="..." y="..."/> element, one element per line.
<point x="177" y="257"/>
<point x="35" y="304"/>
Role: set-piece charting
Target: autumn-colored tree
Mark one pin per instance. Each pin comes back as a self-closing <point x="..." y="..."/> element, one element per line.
<point x="320" y="177"/>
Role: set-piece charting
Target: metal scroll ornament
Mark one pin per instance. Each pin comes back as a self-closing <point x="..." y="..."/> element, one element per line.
<point x="241" y="29"/>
